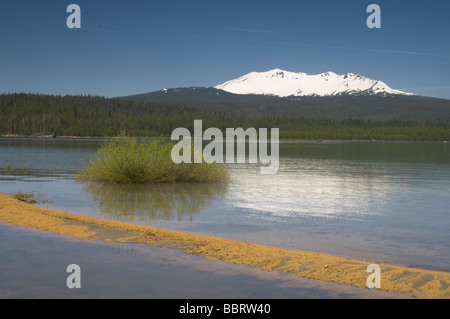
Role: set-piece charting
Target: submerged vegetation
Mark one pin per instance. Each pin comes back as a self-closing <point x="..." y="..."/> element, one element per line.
<point x="30" y="198"/>
<point x="92" y="116"/>
<point x="25" y="197"/>
<point x="130" y="161"/>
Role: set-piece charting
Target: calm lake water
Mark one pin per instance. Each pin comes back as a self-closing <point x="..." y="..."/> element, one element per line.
<point x="387" y="202"/>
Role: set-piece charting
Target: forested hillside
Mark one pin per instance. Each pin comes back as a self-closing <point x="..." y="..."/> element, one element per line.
<point x="93" y="116"/>
<point x="380" y="108"/>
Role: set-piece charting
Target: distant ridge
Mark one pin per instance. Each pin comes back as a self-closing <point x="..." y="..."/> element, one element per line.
<point x="382" y="108"/>
<point x="326" y="96"/>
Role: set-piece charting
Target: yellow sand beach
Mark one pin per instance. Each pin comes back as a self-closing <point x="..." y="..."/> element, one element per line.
<point x="421" y="283"/>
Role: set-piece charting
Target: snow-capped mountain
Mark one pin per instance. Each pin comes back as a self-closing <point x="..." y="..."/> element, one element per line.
<point x="284" y="83"/>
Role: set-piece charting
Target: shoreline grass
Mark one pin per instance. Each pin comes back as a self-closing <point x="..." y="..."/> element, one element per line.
<point x="128" y="160"/>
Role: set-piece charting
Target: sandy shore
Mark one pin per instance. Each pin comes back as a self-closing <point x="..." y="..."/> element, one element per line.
<point x="418" y="282"/>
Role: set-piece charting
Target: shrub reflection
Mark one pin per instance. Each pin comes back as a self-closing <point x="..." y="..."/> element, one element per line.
<point x="177" y="201"/>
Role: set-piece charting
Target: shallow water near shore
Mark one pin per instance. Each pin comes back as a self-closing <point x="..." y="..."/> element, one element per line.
<point x="386" y="202"/>
<point x="36" y="267"/>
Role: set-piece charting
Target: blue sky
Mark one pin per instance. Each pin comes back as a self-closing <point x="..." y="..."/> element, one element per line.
<point x="131" y="47"/>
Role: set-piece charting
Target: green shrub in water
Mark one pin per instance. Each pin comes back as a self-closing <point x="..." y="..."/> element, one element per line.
<point x="132" y="161"/>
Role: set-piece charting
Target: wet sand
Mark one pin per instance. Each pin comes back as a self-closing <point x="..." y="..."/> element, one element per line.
<point x="418" y="282"/>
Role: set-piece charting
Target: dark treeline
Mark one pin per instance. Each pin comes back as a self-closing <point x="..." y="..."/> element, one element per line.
<point x="93" y="116"/>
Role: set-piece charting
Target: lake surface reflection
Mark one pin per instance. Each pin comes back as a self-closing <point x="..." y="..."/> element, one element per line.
<point x="179" y="201"/>
<point x="384" y="201"/>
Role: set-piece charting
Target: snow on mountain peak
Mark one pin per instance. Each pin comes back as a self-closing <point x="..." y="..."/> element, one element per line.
<point x="285" y="83"/>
